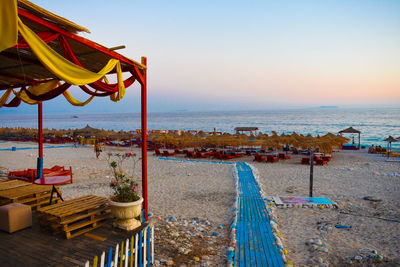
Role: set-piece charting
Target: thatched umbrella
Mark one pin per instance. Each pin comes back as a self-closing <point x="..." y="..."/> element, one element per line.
<point x="87" y="131"/>
<point x="390" y="140"/>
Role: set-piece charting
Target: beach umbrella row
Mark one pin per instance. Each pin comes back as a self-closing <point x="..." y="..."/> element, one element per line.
<point x="324" y="143"/>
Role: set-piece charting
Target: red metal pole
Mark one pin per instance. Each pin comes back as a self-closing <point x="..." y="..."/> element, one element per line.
<point x="144" y="140"/>
<point x="40" y="123"/>
<point x="40" y="126"/>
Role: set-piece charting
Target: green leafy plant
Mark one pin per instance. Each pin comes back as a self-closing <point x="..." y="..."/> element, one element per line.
<point x="123" y="184"/>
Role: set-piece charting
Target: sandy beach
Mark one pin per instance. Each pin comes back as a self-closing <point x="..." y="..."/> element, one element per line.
<point x="187" y="199"/>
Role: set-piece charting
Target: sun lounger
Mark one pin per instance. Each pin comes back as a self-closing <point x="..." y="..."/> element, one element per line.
<point x="157" y="152"/>
<point x="320" y="162"/>
<point x="258" y="158"/>
<point x="76" y="216"/>
<point x="326" y="158"/>
<point x="30" y="175"/>
<point x="283" y="156"/>
<point x="271" y="159"/>
<point x="199" y="155"/>
<point x="166" y="153"/>
<point x="305" y="161"/>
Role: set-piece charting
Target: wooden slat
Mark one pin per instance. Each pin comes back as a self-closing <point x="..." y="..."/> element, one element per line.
<point x="76" y="216"/>
<point x="255" y="242"/>
<point x="9" y="184"/>
<point x="24" y="191"/>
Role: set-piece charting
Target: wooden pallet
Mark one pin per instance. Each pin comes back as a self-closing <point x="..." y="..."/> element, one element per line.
<point x="9" y="184"/>
<point x="76" y="216"/>
<point x="33" y="195"/>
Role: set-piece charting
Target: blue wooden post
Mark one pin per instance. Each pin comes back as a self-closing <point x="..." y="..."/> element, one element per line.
<point x="109" y="259"/>
<point x="148" y="246"/>
<point x="140" y="249"/>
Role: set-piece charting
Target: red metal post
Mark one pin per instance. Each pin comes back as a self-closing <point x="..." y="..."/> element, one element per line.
<point x="359" y="140"/>
<point x="40" y="126"/>
<point x="144" y="139"/>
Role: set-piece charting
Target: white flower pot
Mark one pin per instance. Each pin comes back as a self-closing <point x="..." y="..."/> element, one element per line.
<point x="125" y="214"/>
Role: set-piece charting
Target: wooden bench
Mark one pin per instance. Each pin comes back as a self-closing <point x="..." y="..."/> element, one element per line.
<point x="76" y="216"/>
<point x="33" y="195"/>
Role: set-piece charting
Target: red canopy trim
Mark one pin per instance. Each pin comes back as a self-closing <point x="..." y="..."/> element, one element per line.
<point x="49" y="95"/>
<point x="47" y="37"/>
<point x="13" y="103"/>
<point x="98" y="85"/>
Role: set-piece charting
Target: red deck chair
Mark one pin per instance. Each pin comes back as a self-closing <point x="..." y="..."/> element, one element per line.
<point x="271" y="159"/>
<point x="258" y="158"/>
<point x="283" y="156"/>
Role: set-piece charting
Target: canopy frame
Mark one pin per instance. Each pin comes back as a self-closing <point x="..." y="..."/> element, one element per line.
<point x="138" y="69"/>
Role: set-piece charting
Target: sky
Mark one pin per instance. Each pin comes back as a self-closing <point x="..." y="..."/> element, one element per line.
<point x="245" y="55"/>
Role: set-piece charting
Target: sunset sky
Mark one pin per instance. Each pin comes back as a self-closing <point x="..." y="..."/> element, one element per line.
<point x="236" y="55"/>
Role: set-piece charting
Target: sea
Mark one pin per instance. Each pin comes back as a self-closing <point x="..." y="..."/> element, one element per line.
<point x="375" y="124"/>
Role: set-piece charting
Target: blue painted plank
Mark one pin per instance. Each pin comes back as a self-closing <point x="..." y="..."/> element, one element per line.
<point x="255" y="242"/>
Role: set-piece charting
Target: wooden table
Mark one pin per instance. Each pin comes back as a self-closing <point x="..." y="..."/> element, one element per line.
<point x="32" y="195"/>
<point x="53" y="180"/>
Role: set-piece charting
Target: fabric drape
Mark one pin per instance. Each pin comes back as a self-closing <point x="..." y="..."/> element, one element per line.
<point x="75" y="102"/>
<point x="15" y="102"/>
<point x="47" y="95"/>
<point x="61" y="67"/>
<point x="98" y="85"/>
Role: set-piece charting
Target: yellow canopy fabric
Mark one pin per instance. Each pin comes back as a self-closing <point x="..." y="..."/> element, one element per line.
<point x="21" y="94"/>
<point x="75" y="102"/>
<point x="41" y="89"/>
<point x="8" y="24"/>
<point x="64" y="69"/>
<point x="60" y="66"/>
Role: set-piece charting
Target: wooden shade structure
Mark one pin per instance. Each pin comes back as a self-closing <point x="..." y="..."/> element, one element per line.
<point x="20" y="67"/>
<point x="352" y="130"/>
<point x="241" y="130"/>
<point x="390" y="140"/>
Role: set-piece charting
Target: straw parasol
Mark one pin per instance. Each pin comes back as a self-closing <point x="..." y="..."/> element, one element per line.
<point x="390" y="140"/>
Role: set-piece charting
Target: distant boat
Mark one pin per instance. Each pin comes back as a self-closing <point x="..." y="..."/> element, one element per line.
<point x="75" y="116"/>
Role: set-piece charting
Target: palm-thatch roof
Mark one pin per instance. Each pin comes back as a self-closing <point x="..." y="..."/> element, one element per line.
<point x="350" y="130"/>
<point x="390" y="139"/>
<point x="53" y="18"/>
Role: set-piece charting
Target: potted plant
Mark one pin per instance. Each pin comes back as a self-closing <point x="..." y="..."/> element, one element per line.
<point x="126" y="204"/>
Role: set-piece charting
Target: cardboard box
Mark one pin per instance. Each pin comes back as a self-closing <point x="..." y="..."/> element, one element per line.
<point x="15" y="216"/>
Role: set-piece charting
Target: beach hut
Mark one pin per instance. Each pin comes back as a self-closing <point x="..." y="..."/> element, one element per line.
<point x="352" y="146"/>
<point x="242" y="130"/>
<point x="42" y="56"/>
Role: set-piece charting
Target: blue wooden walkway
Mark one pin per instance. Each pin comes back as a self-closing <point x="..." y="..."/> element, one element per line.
<point x="255" y="243"/>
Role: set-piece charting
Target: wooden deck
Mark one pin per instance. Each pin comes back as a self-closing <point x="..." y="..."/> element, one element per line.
<point x="37" y="247"/>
